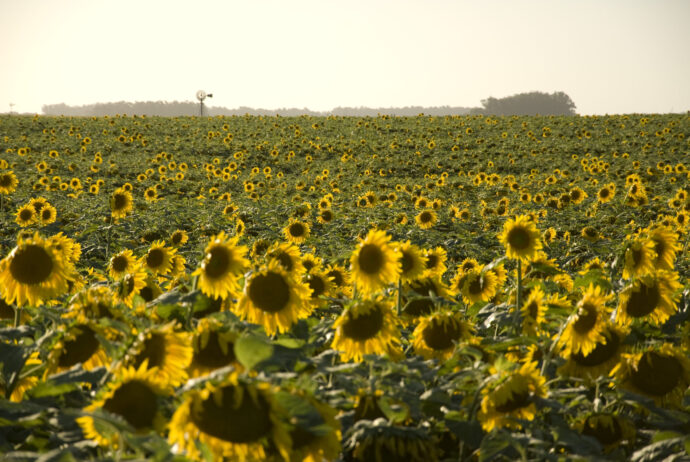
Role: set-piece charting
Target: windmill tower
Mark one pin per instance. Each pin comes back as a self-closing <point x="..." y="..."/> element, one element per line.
<point x="201" y="95"/>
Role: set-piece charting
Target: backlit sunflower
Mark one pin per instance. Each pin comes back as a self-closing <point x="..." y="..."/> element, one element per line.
<point x="521" y="238"/>
<point x="639" y="258"/>
<point x="412" y="261"/>
<point x="510" y="398"/>
<point x="77" y="345"/>
<point x="287" y="255"/>
<point x="120" y="203"/>
<point x="665" y="245"/>
<point x="375" y="263"/>
<point x="26" y="215"/>
<point x="586" y="327"/>
<point x="296" y="231"/>
<point x="158" y="259"/>
<point x="426" y="219"/>
<point x="121" y="263"/>
<point x="133" y="396"/>
<point x="223" y="264"/>
<point x="236" y="420"/>
<point x="661" y="372"/>
<point x="437" y="335"/>
<point x="601" y="360"/>
<point x="163" y="348"/>
<point x="33" y="272"/>
<point x="367" y="327"/>
<point x="130" y="284"/>
<point x="274" y="299"/>
<point x="652" y="297"/>
<point x="609" y="429"/>
<point x="213" y="348"/>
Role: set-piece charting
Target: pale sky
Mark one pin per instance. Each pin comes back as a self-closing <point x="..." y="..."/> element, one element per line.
<point x="609" y="56"/>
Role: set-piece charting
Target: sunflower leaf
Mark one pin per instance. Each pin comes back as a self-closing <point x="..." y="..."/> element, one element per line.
<point x="250" y="350"/>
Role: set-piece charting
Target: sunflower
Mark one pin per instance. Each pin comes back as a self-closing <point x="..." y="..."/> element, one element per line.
<point x="412" y="261"/>
<point x="477" y="286"/>
<point x="120" y="203"/>
<point x="577" y="195"/>
<point x="606" y="193"/>
<point x="639" y="258"/>
<point x="78" y="344"/>
<point x="8" y="182"/>
<point x="367" y="327"/>
<point x="163" y="348"/>
<point x="586" y="327"/>
<point x="26" y="215"/>
<point x="151" y="195"/>
<point x="130" y="284"/>
<point x="590" y="233"/>
<point x="287" y="255"/>
<point x="521" y="238"/>
<point x="609" y="429"/>
<point x="236" y="420"/>
<point x="94" y="303"/>
<point x="221" y="267"/>
<point x="421" y="300"/>
<point x="533" y="311"/>
<point x="179" y="238"/>
<point x="375" y="263"/>
<point x="158" y="259"/>
<point x="661" y="372"/>
<point x="34" y="271"/>
<point x="133" y="396"/>
<point x="325" y="216"/>
<point x="437" y="334"/>
<point x="381" y="441"/>
<point x="25" y="381"/>
<point x="426" y="219"/>
<point x="601" y="360"/>
<point x="315" y="432"/>
<point x="665" y="245"/>
<point x="435" y="264"/>
<point x="296" y="231"/>
<point x="213" y="348"/>
<point x="653" y="297"/>
<point x="311" y="261"/>
<point x="121" y="263"/>
<point x="274" y="299"/>
<point x="510" y="397"/>
<point x="321" y="285"/>
<point x="47" y="215"/>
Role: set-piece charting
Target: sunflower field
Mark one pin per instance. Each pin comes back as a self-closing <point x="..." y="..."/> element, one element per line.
<point x="355" y="289"/>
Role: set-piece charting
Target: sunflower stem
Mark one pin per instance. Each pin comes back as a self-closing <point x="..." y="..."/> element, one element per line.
<point x="107" y="238"/>
<point x="17" y="316"/>
<point x="517" y="321"/>
<point x="399" y="301"/>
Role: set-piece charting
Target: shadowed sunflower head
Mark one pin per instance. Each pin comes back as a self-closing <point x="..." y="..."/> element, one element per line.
<point x="653" y="297"/>
<point x="78" y="344"/>
<point x="213" y="348"/>
<point x="437" y="335"/>
<point x="33" y="272"/>
<point x="639" y="258"/>
<point x="223" y="264"/>
<point x="609" y="429"/>
<point x="379" y="440"/>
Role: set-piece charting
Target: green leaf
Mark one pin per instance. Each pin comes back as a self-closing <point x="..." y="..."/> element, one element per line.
<point x="469" y="431"/>
<point x="50" y="388"/>
<point x="595" y="277"/>
<point x="396" y="412"/>
<point x="250" y="350"/>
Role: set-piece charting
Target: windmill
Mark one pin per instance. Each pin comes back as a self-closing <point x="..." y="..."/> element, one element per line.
<point x="201" y="95"/>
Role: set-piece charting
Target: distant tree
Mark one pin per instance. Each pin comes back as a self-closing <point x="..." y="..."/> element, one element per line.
<point x="533" y="103"/>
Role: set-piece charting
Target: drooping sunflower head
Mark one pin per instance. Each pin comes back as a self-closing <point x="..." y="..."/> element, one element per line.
<point x="661" y="372"/>
<point x="223" y="264"/>
<point x="77" y="344"/>
<point x="367" y="327"/>
<point x="521" y="238"/>
<point x="273" y="298"/>
<point x="133" y="396"/>
<point x="601" y="360"/>
<point x="437" y="335"/>
<point x="611" y="430"/>
<point x="510" y="398"/>
<point x="375" y="263"/>
<point x="652" y="297"/>
<point x="533" y="311"/>
<point x="639" y="258"/>
<point x="120" y="203"/>
<point x="213" y="348"/>
<point x="33" y="272"/>
<point x="412" y="261"/>
<point x="381" y="441"/>
<point x="236" y="420"/>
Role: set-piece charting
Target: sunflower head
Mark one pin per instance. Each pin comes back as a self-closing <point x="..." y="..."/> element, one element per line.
<point x="221" y="267"/>
<point x="585" y="328"/>
<point x="158" y="259"/>
<point x="521" y="238"/>
<point x="437" y="335"/>
<point x="412" y="261"/>
<point x="120" y="203"/>
<point x="375" y="263"/>
<point x="296" y="231"/>
<point x="639" y="258"/>
<point x="652" y="297"/>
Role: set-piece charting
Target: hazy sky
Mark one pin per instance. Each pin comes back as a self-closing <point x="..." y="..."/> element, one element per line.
<point x="610" y="56"/>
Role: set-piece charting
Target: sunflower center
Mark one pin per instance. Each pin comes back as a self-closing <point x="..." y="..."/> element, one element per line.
<point x="418" y="307"/>
<point x="146" y="293"/>
<point x="79" y="349"/>
<point x="337" y="277"/>
<point x="317" y="285"/>
<point x="475" y="286"/>
<point x="31" y="265"/>
<point x="517" y="400"/>
<point x="212" y="354"/>
<point x="269" y="292"/>
<point x="135" y="402"/>
<point x="284" y="259"/>
<point x="431" y="261"/>
<point x="301" y="438"/>
<point x="155" y="258"/>
<point x="26" y="214"/>
<point x="657" y="374"/>
<point x="5" y="181"/>
<point x="601" y="353"/>
<point x="425" y="217"/>
<point x="533" y="309"/>
<point x="643" y="301"/>
<point x="296" y="230"/>
<point x="370" y="258"/>
<point x="243" y="422"/>
<point x="439" y="335"/>
<point x="587" y="317"/>
<point x="364" y="326"/>
<point x="519" y="238"/>
<point x="637" y="257"/>
<point x="154" y="351"/>
<point x="604" y="193"/>
<point x="605" y="434"/>
<point x="46" y="214"/>
<point x="176" y="238"/>
<point x="120" y="263"/>
<point x="407" y="262"/>
<point x="217" y="263"/>
<point x="119" y="201"/>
